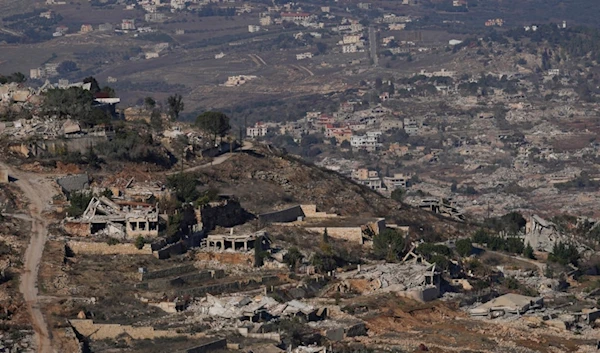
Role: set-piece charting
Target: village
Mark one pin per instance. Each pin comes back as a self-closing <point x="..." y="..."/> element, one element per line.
<point x="238" y="269"/>
<point x="201" y="176"/>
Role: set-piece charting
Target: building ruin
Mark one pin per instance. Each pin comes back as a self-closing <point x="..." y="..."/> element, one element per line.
<point x="116" y="219"/>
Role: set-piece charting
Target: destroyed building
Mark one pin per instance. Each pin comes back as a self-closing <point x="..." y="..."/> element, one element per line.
<point x="235" y="242"/>
<point x="226" y="213"/>
<point x="414" y="279"/>
<point x="354" y="229"/>
<point x="73" y="183"/>
<point x="507" y="304"/>
<point x="124" y="220"/>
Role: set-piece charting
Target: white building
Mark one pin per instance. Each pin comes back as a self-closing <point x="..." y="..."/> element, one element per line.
<point x="258" y="130"/>
<point x="303" y="56"/>
<point x="253" y="28"/>
<point x="351" y="39"/>
<point x="349" y="48"/>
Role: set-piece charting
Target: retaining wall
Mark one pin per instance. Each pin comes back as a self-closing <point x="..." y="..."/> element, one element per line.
<point x="111" y="331"/>
<point x="93" y="248"/>
<point x="173" y="271"/>
<point x="209" y="346"/>
<point x="288" y="215"/>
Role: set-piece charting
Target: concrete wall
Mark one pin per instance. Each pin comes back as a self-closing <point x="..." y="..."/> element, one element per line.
<point x="288" y="215"/>
<point x="310" y="211"/>
<point x="209" y="346"/>
<point x="423" y="294"/>
<point x="170" y="250"/>
<point x="353" y="234"/>
<point x="91" y="248"/>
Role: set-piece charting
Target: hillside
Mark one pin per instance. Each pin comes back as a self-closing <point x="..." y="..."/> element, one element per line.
<point x="266" y="181"/>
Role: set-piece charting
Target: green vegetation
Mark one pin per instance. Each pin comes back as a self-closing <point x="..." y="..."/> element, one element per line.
<point x="112" y="241"/>
<point x="79" y="202"/>
<point x="185" y="186"/>
<point x="389" y="245"/>
<point x="215" y="124"/>
<point x="293" y="257"/>
<point x="140" y="242"/>
<point x="398" y="194"/>
<point x="16" y="77"/>
<point x="564" y="254"/>
<point x="464" y="247"/>
<point x="175" y="106"/>
<point x="135" y="146"/>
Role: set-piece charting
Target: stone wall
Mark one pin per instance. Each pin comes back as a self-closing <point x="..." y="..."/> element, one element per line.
<point x="92" y="248"/>
<point x="226" y="287"/>
<point x="284" y="216"/>
<point x="353" y="234"/>
<point x="111" y="331"/>
<point x="78" y="229"/>
<point x="167" y="272"/>
<point x="209" y="346"/>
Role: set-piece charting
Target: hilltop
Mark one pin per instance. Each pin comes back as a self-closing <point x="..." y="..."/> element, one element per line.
<point x="267" y="180"/>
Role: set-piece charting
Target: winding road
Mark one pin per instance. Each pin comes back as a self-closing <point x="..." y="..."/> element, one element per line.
<point x="39" y="192"/>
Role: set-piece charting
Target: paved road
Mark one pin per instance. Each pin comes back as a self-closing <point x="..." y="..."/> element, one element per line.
<point x="39" y="192"/>
<point x="373" y="45"/>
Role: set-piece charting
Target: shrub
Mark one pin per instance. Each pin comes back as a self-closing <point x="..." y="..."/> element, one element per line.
<point x="112" y="241"/>
<point x="464" y="247"/>
<point x="139" y="242"/>
<point x="389" y="245"/>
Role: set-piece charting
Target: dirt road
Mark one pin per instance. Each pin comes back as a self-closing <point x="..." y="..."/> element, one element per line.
<point x="39" y="192"/>
<point x="246" y="146"/>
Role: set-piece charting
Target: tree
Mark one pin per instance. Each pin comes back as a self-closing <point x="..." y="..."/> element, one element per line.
<point x="259" y="253"/>
<point x="149" y="103"/>
<point x="79" y="202"/>
<point x="156" y="120"/>
<point x="389" y="245"/>
<point x="185" y="186"/>
<point x="293" y="257"/>
<point x="528" y="252"/>
<point x="464" y="247"/>
<point x="321" y="47"/>
<point x="215" y="124"/>
<point x="139" y="242"/>
<point x="345" y="144"/>
<point x="175" y="106"/>
<point x="398" y="194"/>
<point x="94" y="87"/>
<point x="110" y="91"/>
<point x="66" y="67"/>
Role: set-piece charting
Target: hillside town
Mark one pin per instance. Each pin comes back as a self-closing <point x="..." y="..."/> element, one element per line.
<point x="199" y="176"/>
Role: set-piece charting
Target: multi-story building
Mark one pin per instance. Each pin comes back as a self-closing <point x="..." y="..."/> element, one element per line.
<point x="369" y="142"/>
<point x="258" y="130"/>
<point x="399" y="180"/>
<point x="85" y="28"/>
<point x="369" y="178"/>
<point x="128" y="24"/>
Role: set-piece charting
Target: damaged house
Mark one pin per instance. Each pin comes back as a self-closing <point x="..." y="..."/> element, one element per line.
<point x="124" y="220"/>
